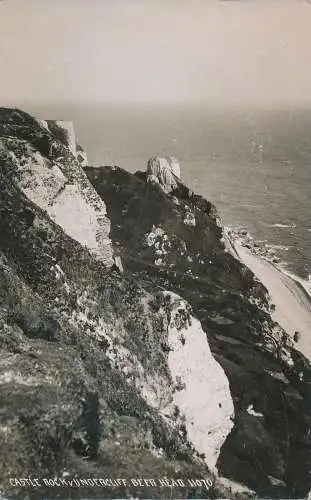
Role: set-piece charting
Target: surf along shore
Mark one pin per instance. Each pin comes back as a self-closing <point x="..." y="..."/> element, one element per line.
<point x="291" y="300"/>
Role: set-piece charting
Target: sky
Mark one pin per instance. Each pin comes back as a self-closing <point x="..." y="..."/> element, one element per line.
<point x="216" y="51"/>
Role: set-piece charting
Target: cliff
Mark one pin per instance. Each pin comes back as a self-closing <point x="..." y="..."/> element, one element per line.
<point x="172" y="368"/>
<point x="39" y="159"/>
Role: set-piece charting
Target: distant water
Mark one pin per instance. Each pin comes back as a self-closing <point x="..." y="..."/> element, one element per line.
<point x="255" y="165"/>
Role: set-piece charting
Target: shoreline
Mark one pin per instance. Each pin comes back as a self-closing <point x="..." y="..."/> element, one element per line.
<point x="292" y="301"/>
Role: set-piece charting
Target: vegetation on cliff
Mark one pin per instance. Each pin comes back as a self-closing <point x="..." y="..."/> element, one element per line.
<point x="85" y="378"/>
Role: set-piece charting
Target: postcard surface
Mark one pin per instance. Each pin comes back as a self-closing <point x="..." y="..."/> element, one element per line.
<point x="155" y="249"/>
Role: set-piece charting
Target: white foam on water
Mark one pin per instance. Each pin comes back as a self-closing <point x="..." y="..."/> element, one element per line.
<point x="283" y="226"/>
<point x="305" y="283"/>
<point x="292" y="304"/>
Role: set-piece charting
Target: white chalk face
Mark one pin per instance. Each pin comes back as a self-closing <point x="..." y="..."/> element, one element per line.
<point x="68" y="207"/>
<point x="163" y="171"/>
<point x="64" y="192"/>
<point x="204" y="397"/>
<point x="76" y="216"/>
<point x="68" y="127"/>
<point x="175" y="167"/>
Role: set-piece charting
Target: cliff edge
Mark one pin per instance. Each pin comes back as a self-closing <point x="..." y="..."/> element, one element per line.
<point x="40" y="160"/>
<point x="170" y="369"/>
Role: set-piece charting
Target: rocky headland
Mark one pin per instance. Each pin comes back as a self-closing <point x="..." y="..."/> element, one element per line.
<point x="134" y="342"/>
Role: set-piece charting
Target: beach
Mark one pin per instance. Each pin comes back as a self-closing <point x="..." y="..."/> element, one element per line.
<point x="292" y="303"/>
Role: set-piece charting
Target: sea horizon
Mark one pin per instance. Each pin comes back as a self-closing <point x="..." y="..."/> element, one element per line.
<point x="266" y="148"/>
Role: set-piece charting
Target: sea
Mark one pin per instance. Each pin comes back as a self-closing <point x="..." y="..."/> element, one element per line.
<point x="253" y="163"/>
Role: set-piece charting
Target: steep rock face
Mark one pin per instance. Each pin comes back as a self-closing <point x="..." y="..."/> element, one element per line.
<point x="39" y="159"/>
<point x="84" y="369"/>
<point x="97" y="368"/>
<point x="82" y="156"/>
<point x="65" y="132"/>
<point x="175" y="242"/>
<point x="163" y="171"/>
<point x="203" y="397"/>
<point x="68" y="130"/>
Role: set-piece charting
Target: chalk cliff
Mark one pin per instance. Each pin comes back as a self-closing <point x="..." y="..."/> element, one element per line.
<point x="163" y="171"/>
<point x="167" y="365"/>
<point x="40" y="158"/>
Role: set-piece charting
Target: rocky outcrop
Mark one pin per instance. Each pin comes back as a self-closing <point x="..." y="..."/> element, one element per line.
<point x="65" y="132"/>
<point x="67" y="127"/>
<point x="40" y="159"/>
<point x="172" y="368"/>
<point x="81" y="156"/>
<point x="202" y="397"/>
<point x="163" y="171"/>
<point x="84" y="368"/>
<point x="269" y="380"/>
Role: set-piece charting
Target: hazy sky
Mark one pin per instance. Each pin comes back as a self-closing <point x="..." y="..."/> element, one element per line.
<point x="155" y="50"/>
